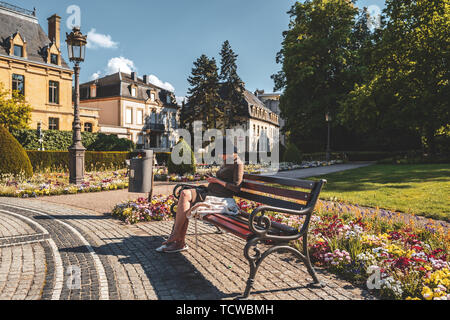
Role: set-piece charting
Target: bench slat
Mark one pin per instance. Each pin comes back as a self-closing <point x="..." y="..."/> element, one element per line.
<point x="304" y="184"/>
<point x="235" y="227"/>
<point x="270" y="201"/>
<point x="299" y="195"/>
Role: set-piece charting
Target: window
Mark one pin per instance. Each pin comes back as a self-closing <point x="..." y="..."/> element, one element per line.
<point x="139" y="116"/>
<point x="53" y="92"/>
<point x="133" y="92"/>
<point x="53" y="124"/>
<point x="129" y="116"/>
<point x="140" y="139"/>
<point x="18" y="83"/>
<point x="18" y="51"/>
<point x="54" y="58"/>
<point x="152" y="96"/>
<point x="88" y="127"/>
<point x="169" y="99"/>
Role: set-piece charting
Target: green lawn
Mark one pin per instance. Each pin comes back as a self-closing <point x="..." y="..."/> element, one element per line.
<point x="418" y="189"/>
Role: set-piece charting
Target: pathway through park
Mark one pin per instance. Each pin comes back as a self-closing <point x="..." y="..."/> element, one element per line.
<point x="68" y="248"/>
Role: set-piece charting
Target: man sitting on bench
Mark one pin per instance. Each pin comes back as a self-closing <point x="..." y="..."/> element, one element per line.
<point x="226" y="184"/>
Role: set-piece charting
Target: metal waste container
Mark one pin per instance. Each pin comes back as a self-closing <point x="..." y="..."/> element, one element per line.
<point x="140" y="172"/>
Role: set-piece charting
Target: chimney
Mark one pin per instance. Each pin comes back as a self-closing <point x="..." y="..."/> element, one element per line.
<point x="54" y="30"/>
<point x="145" y="79"/>
<point x="134" y="76"/>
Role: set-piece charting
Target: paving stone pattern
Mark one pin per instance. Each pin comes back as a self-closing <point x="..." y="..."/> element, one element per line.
<point x="43" y="250"/>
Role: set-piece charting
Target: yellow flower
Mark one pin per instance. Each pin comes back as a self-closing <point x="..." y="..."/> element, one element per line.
<point x="427" y="293"/>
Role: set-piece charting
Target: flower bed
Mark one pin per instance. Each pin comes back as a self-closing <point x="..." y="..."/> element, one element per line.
<point x="50" y="184"/>
<point x="161" y="173"/>
<point x="412" y="261"/>
<point x="132" y="212"/>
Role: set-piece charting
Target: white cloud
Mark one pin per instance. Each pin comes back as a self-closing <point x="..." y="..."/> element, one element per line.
<point x="165" y="85"/>
<point x="96" y="75"/>
<point x="120" y="64"/>
<point x="97" y="40"/>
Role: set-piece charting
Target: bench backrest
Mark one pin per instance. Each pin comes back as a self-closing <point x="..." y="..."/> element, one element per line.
<point x="279" y="192"/>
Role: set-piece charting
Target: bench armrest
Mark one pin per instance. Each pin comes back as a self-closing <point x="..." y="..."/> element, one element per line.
<point x="261" y="225"/>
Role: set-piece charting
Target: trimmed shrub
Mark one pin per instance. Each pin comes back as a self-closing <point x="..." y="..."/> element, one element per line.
<point x="184" y="168"/>
<point x="58" y="161"/>
<point x="13" y="158"/>
<point x="292" y="154"/>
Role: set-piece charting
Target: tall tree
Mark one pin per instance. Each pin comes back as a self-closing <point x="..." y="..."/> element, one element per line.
<point x="316" y="57"/>
<point x="15" y="112"/>
<point x="232" y="87"/>
<point x="409" y="84"/>
<point x="203" y="95"/>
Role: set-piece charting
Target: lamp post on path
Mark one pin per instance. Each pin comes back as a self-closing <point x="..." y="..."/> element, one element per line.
<point x="328" y="120"/>
<point x="76" y="45"/>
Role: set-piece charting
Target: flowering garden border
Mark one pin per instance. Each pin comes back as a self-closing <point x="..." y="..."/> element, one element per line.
<point x="369" y="247"/>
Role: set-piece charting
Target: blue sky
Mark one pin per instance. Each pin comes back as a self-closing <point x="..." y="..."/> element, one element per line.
<point x="164" y="38"/>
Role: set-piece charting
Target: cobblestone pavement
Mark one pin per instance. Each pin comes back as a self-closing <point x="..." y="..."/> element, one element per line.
<point x="46" y="247"/>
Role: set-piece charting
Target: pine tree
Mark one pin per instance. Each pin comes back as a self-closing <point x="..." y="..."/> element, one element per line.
<point x="203" y="95"/>
<point x="232" y="88"/>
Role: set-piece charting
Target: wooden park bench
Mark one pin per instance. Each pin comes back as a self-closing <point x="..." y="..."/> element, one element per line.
<point x="278" y="195"/>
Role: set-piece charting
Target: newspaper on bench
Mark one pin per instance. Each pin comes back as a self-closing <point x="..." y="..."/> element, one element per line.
<point x="212" y="205"/>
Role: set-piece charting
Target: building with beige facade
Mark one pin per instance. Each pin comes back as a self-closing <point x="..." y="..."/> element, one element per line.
<point x="31" y="63"/>
<point x="133" y="108"/>
<point x="272" y="102"/>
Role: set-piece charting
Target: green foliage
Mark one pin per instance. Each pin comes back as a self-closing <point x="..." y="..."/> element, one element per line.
<point x="316" y="60"/>
<point x="203" y="94"/>
<point x="231" y="89"/>
<point x="15" y="112"/>
<point x="62" y="140"/>
<point x="105" y="142"/>
<point x="58" y="161"/>
<point x="13" y="159"/>
<point x="292" y="154"/>
<point x="183" y="168"/>
<point x="386" y="89"/>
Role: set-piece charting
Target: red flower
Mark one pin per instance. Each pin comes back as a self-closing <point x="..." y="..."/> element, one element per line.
<point x="402" y="263"/>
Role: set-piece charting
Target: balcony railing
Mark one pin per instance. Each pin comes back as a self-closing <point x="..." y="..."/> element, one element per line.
<point x="16" y="8"/>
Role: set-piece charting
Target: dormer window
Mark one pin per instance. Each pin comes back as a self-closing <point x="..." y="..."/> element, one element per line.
<point x="133" y="90"/>
<point x="18" y="50"/>
<point x="18" y="46"/>
<point x="54" y="59"/>
<point x="93" y="91"/>
<point x="169" y="99"/>
<point x="152" y="97"/>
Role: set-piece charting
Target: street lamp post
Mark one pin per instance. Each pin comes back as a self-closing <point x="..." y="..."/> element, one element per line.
<point x="76" y="45"/>
<point x="328" y="120"/>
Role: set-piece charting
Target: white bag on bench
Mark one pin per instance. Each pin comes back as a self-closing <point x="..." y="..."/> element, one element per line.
<point x="212" y="205"/>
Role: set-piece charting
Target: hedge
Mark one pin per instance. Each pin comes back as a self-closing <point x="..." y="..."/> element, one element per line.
<point x="62" y="140"/>
<point x="94" y="161"/>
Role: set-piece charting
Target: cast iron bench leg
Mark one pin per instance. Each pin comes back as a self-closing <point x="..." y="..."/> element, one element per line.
<point x="309" y="266"/>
